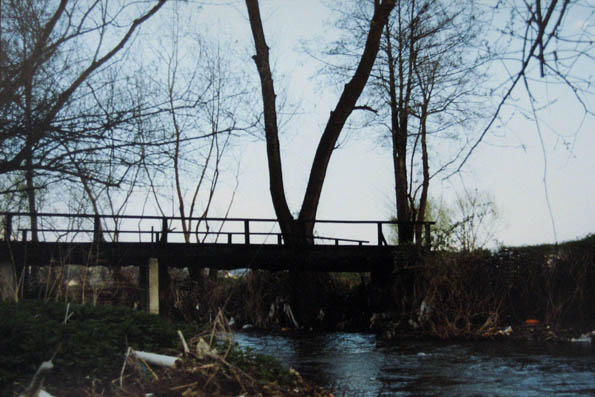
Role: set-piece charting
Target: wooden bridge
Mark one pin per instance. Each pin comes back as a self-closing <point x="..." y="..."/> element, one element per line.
<point x="154" y="243"/>
<point x="220" y="243"/>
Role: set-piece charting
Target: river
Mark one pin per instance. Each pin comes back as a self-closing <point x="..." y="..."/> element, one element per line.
<point x="357" y="364"/>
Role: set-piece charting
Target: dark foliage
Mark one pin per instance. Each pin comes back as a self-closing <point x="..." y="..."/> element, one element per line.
<point x="90" y="345"/>
<point x="470" y="293"/>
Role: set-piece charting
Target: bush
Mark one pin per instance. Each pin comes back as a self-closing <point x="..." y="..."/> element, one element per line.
<point x="469" y="292"/>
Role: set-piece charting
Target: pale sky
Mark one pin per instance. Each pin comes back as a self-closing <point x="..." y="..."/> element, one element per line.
<point x="509" y="164"/>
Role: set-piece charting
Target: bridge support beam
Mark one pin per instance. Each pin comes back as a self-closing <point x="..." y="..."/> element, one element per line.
<point x="149" y="285"/>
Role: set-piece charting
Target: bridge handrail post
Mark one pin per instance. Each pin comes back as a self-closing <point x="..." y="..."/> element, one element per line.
<point x="97" y="235"/>
<point x="7" y="227"/>
<point x="247" y="231"/>
<point x="163" y="239"/>
<point x="381" y="239"/>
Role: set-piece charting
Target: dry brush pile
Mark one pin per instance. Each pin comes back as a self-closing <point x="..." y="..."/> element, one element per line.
<point x="474" y="293"/>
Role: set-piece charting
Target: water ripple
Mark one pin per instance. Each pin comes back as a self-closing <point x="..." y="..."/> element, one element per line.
<point x="358" y="365"/>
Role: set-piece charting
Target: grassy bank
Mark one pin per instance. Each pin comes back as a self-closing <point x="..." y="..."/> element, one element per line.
<point x="88" y="353"/>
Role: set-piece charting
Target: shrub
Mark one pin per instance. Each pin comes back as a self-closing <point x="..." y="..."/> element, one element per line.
<point x="471" y="291"/>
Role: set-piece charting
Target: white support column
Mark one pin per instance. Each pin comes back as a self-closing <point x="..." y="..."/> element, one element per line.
<point x="8" y="284"/>
<point x="149" y="284"/>
<point x="153" y="287"/>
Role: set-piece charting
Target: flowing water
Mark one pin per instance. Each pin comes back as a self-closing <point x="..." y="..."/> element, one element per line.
<point x="357" y="364"/>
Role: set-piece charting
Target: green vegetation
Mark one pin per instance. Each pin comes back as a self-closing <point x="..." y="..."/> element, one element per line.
<point x="88" y="352"/>
<point x="468" y="223"/>
<point x="90" y="345"/>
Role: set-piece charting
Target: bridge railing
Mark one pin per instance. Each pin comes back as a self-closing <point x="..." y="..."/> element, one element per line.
<point x="150" y="228"/>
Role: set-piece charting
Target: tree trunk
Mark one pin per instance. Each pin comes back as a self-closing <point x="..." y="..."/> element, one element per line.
<point x="286" y="221"/>
<point x="298" y="233"/>
<point x="31" y="282"/>
<point x="31" y="196"/>
<point x="343" y="109"/>
<point x="399" y="146"/>
<point x="423" y="200"/>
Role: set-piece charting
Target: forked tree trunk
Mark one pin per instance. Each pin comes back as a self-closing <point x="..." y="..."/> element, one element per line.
<point x="298" y="233"/>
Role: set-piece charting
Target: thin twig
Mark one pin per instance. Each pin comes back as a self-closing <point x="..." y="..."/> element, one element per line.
<point x="124" y="367"/>
<point x="184" y="344"/>
<point x="148" y="367"/>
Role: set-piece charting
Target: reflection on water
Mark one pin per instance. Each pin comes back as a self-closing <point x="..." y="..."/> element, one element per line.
<point x="359" y="365"/>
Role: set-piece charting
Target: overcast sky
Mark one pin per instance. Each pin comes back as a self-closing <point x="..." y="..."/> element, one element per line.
<point x="509" y="164"/>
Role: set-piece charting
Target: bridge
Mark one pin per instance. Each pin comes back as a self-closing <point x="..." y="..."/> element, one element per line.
<point x="216" y="243"/>
<point x="220" y="243"/>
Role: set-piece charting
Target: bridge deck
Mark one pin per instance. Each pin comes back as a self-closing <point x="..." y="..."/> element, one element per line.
<point x="323" y="258"/>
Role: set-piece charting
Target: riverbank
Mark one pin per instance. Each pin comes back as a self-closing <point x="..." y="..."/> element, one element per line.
<point x="540" y="293"/>
<point x="87" y="344"/>
<point x="544" y="293"/>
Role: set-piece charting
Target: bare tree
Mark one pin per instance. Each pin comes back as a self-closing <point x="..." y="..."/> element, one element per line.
<point x="424" y="85"/>
<point x="205" y="107"/>
<point x="299" y="231"/>
<point x="541" y="47"/>
<point x="547" y="44"/>
<point x="51" y="53"/>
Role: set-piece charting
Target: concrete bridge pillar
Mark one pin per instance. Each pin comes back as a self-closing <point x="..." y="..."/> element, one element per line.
<point x="149" y="285"/>
<point x="8" y="285"/>
<point x="7" y="271"/>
